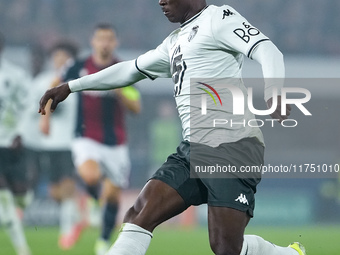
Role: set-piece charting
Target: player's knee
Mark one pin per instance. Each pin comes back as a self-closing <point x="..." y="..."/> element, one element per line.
<point x="112" y="198"/>
<point x="110" y="192"/>
<point x="55" y="193"/>
<point x="224" y="247"/>
<point x="90" y="172"/>
<point x="25" y="199"/>
<point x="131" y="215"/>
<point x="90" y="178"/>
<point x="19" y="188"/>
<point x="68" y="187"/>
<point x="134" y="216"/>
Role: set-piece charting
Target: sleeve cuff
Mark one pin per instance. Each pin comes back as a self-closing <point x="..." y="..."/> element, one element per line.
<point x="75" y="85"/>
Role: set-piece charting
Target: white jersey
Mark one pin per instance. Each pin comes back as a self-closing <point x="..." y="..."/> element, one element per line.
<point x="209" y="45"/>
<point x="62" y="121"/>
<point x="13" y="91"/>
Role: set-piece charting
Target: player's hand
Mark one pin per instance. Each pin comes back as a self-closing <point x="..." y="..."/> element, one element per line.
<point x="277" y="113"/>
<point x="56" y="94"/>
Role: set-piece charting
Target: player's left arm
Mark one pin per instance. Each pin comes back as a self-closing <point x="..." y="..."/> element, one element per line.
<point x="273" y="69"/>
<point x="234" y="33"/>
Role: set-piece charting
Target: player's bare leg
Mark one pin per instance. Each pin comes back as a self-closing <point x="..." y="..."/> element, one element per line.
<point x="226" y="235"/>
<point x="109" y="200"/>
<point x="156" y="203"/>
<point x="226" y="230"/>
<point x="106" y="194"/>
<point x="10" y="219"/>
<point x="65" y="192"/>
<point x="90" y="173"/>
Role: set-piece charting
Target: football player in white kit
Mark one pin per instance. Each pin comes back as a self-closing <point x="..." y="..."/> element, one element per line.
<point x="13" y="175"/>
<point x="210" y="44"/>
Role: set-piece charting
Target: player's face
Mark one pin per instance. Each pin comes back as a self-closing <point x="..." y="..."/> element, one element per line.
<point x="104" y="42"/>
<point x="179" y="11"/>
<point x="59" y="58"/>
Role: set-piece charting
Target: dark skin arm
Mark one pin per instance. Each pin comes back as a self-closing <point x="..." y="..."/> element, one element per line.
<point x="61" y="92"/>
<point x="277" y="113"/>
<point x="56" y="94"/>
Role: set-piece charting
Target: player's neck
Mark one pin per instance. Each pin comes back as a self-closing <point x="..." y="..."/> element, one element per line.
<point x="194" y="11"/>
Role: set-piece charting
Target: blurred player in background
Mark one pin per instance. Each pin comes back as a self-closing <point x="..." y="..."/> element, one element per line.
<point x="13" y="175"/>
<point x="210" y="43"/>
<point x="59" y="133"/>
<point x="48" y="153"/>
<point x="100" y="148"/>
<point x="165" y="133"/>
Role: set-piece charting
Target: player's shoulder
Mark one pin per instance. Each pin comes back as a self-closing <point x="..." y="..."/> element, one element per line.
<point x="72" y="69"/>
<point x="224" y="18"/>
<point x="44" y="77"/>
<point x="222" y="12"/>
<point x="11" y="68"/>
<point x="75" y="64"/>
<point x="14" y="73"/>
<point x="172" y="36"/>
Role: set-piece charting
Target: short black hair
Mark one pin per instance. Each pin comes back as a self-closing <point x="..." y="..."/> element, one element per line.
<point x="66" y="45"/>
<point x="106" y="26"/>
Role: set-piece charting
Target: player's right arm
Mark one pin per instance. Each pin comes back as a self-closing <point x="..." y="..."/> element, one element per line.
<point x="56" y="94"/>
<point x="116" y="76"/>
<point x="153" y="64"/>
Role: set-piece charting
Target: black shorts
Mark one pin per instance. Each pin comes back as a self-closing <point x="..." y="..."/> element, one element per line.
<point x="232" y="191"/>
<point x="55" y="165"/>
<point x="13" y="174"/>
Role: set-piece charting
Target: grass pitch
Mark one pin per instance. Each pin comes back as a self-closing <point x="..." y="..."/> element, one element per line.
<point x="319" y="240"/>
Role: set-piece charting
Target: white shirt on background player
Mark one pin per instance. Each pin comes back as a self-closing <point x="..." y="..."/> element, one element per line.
<point x="62" y="123"/>
<point x="211" y="44"/>
<point x="13" y="92"/>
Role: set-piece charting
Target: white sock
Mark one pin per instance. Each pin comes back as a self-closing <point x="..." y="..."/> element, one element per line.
<point x="255" y="245"/>
<point x="11" y="221"/>
<point x="132" y="240"/>
<point x="68" y="215"/>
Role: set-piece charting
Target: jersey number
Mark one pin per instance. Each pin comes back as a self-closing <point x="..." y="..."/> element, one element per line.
<point x="178" y="69"/>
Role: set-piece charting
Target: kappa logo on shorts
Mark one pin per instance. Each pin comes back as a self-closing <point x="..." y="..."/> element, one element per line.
<point x="242" y="199"/>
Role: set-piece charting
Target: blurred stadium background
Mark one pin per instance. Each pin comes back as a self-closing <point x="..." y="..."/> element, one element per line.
<point x="288" y="209"/>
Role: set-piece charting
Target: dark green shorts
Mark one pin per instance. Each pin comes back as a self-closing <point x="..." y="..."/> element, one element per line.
<point x="55" y="165"/>
<point x="13" y="174"/>
<point x="232" y="190"/>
